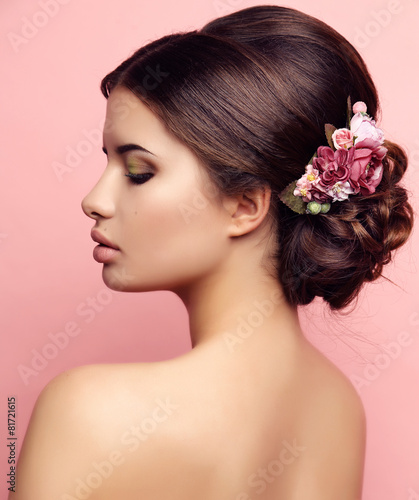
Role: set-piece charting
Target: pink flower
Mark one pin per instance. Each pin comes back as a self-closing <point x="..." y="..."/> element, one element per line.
<point x="306" y="182"/>
<point x="364" y="127"/>
<point x="303" y="190"/>
<point x="334" y="168"/>
<point x="343" y="138"/>
<point x="370" y="180"/>
<point x="324" y="156"/>
<point x="359" y="107"/>
<point x="367" y="168"/>
<point x="318" y="194"/>
<point x="334" y="180"/>
<point x="333" y="165"/>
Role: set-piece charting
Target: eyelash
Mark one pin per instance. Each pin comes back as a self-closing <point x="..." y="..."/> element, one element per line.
<point x="139" y="178"/>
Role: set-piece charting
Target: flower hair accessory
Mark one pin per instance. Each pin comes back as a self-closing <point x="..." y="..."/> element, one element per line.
<point x="351" y="165"/>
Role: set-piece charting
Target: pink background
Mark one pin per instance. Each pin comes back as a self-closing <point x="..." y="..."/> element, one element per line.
<point x="51" y="105"/>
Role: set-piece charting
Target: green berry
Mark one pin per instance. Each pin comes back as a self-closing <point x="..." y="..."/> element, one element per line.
<point x="325" y="207"/>
<point x="313" y="207"/>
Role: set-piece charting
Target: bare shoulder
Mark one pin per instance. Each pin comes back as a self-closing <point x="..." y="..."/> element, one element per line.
<point x="82" y="427"/>
<point x="331" y="389"/>
<point x="332" y="430"/>
<point x="76" y="398"/>
<point x="54" y="427"/>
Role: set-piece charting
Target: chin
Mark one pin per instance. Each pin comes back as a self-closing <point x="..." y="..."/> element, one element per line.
<point x="118" y="279"/>
<point x="122" y="281"/>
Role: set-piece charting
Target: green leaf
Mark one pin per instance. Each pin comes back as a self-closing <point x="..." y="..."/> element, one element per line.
<point x="295" y="203"/>
<point x="329" y="129"/>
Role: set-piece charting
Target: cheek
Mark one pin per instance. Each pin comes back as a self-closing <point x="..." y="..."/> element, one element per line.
<point x="173" y="236"/>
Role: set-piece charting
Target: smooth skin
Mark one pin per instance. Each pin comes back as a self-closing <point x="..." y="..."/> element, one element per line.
<point x="253" y="411"/>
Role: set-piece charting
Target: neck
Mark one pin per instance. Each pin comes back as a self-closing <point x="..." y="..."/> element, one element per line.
<point x="237" y="303"/>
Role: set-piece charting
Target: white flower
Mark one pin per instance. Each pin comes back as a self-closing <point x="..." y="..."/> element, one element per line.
<point x="340" y="191"/>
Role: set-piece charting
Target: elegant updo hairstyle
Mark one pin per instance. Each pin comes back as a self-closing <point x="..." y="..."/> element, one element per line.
<point x="250" y="94"/>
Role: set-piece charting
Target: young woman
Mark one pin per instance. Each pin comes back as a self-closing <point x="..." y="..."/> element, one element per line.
<point x="247" y="175"/>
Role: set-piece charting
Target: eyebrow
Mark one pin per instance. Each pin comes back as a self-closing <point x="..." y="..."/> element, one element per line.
<point x="129" y="147"/>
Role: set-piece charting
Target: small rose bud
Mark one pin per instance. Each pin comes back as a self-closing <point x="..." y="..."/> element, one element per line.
<point x="343" y="138"/>
<point x="359" y="107"/>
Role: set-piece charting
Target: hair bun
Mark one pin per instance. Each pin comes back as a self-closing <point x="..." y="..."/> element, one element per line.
<point x="332" y="256"/>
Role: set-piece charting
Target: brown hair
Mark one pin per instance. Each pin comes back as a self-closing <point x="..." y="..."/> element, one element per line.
<point x="250" y="94"/>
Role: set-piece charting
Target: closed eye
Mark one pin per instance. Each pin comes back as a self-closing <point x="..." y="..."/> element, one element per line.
<point x="139" y="178"/>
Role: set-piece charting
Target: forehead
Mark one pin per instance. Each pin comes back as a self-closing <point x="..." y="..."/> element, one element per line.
<point x="129" y="120"/>
<point x="125" y="111"/>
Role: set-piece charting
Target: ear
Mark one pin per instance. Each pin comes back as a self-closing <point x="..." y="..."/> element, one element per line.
<point x="248" y="210"/>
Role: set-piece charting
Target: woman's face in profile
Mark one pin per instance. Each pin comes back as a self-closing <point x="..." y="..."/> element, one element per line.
<point x="154" y="204"/>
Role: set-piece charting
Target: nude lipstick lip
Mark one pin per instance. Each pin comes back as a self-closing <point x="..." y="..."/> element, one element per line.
<point x="105" y="251"/>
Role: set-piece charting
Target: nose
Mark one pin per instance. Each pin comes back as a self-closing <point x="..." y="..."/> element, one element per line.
<point x="99" y="203"/>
